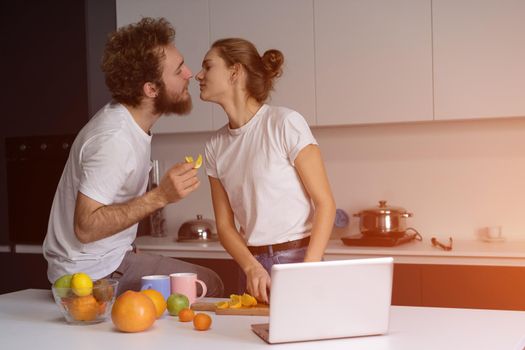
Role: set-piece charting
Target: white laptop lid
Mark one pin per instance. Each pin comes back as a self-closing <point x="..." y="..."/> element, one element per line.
<point x="330" y="299"/>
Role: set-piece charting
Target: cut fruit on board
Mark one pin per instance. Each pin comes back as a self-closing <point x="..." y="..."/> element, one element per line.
<point x="259" y="310"/>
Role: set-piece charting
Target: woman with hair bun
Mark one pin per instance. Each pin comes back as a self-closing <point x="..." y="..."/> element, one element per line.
<point x="265" y="167"/>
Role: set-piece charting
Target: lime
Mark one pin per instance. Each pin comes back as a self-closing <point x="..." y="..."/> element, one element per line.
<point x="62" y="285"/>
<point x="81" y="284"/>
<point x="177" y="302"/>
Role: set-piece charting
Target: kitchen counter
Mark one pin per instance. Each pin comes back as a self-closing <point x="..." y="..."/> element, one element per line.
<point x="29" y="319"/>
<point x="464" y="252"/>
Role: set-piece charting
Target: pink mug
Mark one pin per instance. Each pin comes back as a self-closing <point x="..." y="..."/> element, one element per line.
<point x="185" y="283"/>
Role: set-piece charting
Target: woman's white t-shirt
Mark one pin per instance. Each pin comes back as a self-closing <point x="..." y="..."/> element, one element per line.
<point x="255" y="164"/>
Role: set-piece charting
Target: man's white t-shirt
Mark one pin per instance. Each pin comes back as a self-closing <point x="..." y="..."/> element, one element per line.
<point x="110" y="163"/>
<point x="255" y="164"/>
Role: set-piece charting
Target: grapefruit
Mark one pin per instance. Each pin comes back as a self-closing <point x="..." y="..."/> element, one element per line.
<point x="133" y="312"/>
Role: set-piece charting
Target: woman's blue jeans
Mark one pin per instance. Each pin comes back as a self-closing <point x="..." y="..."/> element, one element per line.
<point x="267" y="260"/>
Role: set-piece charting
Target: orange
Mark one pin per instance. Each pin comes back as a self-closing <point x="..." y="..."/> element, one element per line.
<point x="101" y="308"/>
<point x="158" y="300"/>
<point x="84" y="308"/>
<point x="202" y="322"/>
<point x="133" y="312"/>
<point x="186" y="315"/>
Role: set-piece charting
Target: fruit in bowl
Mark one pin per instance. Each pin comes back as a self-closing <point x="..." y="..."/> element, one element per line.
<point x="84" y="301"/>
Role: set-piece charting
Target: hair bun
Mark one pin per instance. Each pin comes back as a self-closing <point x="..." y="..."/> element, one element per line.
<point x="273" y="61"/>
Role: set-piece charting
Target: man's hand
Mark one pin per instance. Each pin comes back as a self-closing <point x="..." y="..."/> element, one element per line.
<point x="178" y="182"/>
<point x="94" y="221"/>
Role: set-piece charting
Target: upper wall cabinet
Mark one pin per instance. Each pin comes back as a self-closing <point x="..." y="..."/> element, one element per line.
<point x="191" y="22"/>
<point x="479" y="58"/>
<point x="273" y="24"/>
<point x="373" y="61"/>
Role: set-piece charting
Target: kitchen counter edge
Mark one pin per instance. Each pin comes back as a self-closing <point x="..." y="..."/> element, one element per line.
<point x="464" y="252"/>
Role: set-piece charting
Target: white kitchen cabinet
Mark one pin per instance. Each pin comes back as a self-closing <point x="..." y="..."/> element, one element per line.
<point x="373" y="61"/>
<point x="479" y="58"/>
<point x="273" y="24"/>
<point x="191" y="22"/>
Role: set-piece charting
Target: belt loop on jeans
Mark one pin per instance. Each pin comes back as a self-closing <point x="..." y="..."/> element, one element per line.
<point x="272" y="248"/>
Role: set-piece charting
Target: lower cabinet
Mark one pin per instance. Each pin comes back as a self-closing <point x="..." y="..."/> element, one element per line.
<point x="228" y="271"/>
<point x="22" y="271"/>
<point x="406" y="289"/>
<point x="459" y="286"/>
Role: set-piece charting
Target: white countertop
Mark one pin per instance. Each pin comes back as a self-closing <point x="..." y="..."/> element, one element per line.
<point x="464" y="252"/>
<point x="29" y="319"/>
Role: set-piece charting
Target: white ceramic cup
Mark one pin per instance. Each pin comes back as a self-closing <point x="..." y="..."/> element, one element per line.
<point x="493" y="232"/>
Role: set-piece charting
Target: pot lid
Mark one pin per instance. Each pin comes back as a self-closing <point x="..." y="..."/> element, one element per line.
<point x="382" y="209"/>
<point x="198" y="228"/>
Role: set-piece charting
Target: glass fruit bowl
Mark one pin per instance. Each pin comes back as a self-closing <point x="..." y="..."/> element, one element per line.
<point x="91" y="307"/>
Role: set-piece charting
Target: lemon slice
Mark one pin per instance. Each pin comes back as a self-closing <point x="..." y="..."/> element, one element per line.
<point x="198" y="162"/>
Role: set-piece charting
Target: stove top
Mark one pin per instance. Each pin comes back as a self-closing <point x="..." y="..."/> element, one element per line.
<point x="380" y="241"/>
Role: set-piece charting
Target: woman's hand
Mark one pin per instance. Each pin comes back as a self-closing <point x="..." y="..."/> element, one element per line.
<point x="258" y="282"/>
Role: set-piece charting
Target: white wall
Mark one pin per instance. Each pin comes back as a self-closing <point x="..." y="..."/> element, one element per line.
<point x="456" y="177"/>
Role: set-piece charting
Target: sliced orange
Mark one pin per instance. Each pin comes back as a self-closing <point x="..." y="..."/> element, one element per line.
<point x="222" y="305"/>
<point x="248" y="300"/>
<point x="235" y="304"/>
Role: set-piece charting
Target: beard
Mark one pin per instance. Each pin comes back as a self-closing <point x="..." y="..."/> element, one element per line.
<point x="169" y="104"/>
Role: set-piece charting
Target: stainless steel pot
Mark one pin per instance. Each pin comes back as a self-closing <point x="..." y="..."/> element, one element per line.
<point x="383" y="220"/>
<point x="199" y="230"/>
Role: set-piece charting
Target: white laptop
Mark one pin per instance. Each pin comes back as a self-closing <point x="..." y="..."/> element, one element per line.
<point x="328" y="299"/>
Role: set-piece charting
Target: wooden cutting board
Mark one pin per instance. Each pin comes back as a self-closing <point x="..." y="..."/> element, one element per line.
<point x="258" y="310"/>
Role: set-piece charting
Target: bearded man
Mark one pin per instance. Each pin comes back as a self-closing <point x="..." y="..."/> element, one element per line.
<point x="102" y="195"/>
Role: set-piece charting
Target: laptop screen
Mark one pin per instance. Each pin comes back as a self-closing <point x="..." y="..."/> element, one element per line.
<point x="330" y="299"/>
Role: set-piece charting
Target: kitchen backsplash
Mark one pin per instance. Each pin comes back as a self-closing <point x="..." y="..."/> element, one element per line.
<point x="456" y="177"/>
